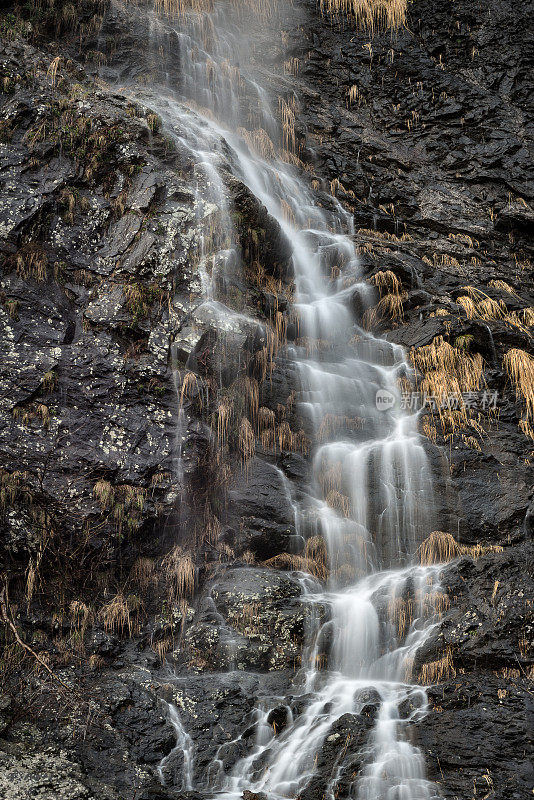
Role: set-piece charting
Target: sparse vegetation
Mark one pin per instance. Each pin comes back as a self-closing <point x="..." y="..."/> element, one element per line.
<point x="369" y="15"/>
<point x="520" y="367"/>
<point x="441" y="547"/>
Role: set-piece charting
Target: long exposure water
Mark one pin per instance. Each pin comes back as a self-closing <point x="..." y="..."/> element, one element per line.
<point x="370" y="497"/>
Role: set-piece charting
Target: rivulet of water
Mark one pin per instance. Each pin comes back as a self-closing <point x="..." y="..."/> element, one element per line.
<point x="370" y="497"/>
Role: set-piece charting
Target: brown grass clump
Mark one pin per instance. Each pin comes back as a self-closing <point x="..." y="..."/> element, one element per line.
<point x="189" y="385"/>
<point x="289" y="561"/>
<point x="288" y="115"/>
<point x="51" y="72"/>
<point x="401" y="613"/>
<point x="162" y="647"/>
<point x="32" y="412"/>
<point x="369" y="15"/>
<point x="316" y="551"/>
<point x="180" y="574"/>
<point x="252" y="394"/>
<point x="123" y="504"/>
<point x="440" y="547"/>
<point x="386" y="282"/>
<point x="117" y="616"/>
<point x="143" y="573"/>
<point x="80" y="614"/>
<point x="520" y="367"/>
<point x="247" y="444"/>
<point x="503" y="286"/>
<point x="259" y="142"/>
<point x="331" y="478"/>
<point x="32" y="262"/>
<point x="224" y="416"/>
<point x="449" y="372"/>
<point x="436" y="671"/>
<point x="266" y="418"/>
<point x="339" y="502"/>
<point x="103" y="491"/>
<point x="478" y="305"/>
<point x="389" y="307"/>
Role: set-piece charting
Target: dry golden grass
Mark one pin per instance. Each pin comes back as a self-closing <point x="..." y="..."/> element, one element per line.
<point x="386" y="282"/>
<point x="210" y="529"/>
<point x="503" y="286"/>
<point x="103" y="492"/>
<point x="32" y="262"/>
<point x="117" y="617"/>
<point x="401" y="613"/>
<point x="339" y="502"/>
<point x="224" y="416"/>
<point x="441" y="547"/>
<point x="316" y="551"/>
<point x="252" y="395"/>
<point x="190" y="383"/>
<point x="527" y="428"/>
<point x="162" y="647"/>
<point x="80" y="614"/>
<point x="291" y="66"/>
<point x="314" y="560"/>
<point x="289" y="561"/>
<point x="96" y="662"/>
<point x="266" y="418"/>
<point x="384" y="235"/>
<point x="287" y="110"/>
<point x="448" y="372"/>
<point x="179" y="571"/>
<point x="436" y="671"/>
<point x="143" y="574"/>
<point x="477" y="305"/>
<point x="51" y="72"/>
<point x="247" y="444"/>
<point x="259" y="142"/>
<point x="331" y="424"/>
<point x="520" y="367"/>
<point x="354" y="95"/>
<point x="369" y="15"/>
<point x="389" y="307"/>
<point x="32" y="412"/>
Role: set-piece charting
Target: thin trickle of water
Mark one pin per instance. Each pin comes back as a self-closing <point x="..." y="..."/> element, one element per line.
<point x="174" y="771"/>
<point x="371" y="494"/>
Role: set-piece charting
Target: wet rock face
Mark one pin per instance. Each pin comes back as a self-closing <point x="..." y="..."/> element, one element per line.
<point x="250" y="619"/>
<point x="341" y="755"/>
<point x="260" y="515"/>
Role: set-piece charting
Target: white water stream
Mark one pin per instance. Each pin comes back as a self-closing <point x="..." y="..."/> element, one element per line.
<point x="371" y="498"/>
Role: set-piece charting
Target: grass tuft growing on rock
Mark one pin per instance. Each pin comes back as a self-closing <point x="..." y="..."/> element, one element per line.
<point x="439" y="670"/>
<point x="441" y="547"/>
<point x="179" y="570"/>
<point x="448" y="372"/>
<point x="368" y="15"/>
<point x="117" y="617"/>
<point x="520" y="367"/>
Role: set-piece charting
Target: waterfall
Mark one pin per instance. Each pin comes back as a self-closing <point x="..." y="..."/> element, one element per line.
<point x="370" y="497"/>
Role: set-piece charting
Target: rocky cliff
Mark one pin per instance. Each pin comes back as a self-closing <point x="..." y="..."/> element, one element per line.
<point x="148" y="529"/>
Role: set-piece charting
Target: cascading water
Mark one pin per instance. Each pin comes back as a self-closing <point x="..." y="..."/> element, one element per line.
<point x="371" y="494"/>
